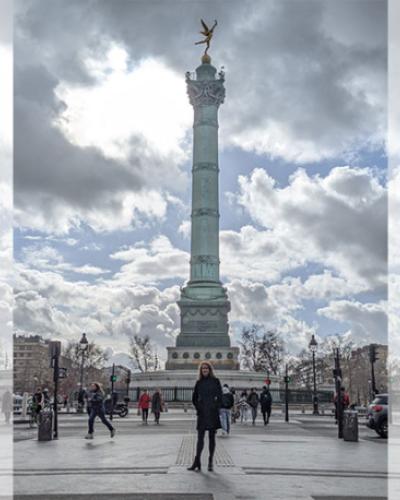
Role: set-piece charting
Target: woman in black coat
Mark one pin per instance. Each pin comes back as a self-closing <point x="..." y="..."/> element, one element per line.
<point x="207" y="398"/>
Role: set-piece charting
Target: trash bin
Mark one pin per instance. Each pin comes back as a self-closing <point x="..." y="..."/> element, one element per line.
<point x="350" y="425"/>
<point x="45" y="426"/>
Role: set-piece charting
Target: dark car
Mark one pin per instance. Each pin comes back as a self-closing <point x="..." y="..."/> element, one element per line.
<point x="377" y="415"/>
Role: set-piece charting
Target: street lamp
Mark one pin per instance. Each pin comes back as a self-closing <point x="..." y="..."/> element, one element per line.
<point x="313" y="345"/>
<point x="83" y="347"/>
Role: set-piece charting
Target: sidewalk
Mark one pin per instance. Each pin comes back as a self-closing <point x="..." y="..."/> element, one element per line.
<point x="282" y="462"/>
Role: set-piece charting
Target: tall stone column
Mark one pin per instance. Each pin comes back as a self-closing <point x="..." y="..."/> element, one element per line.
<point x="204" y="303"/>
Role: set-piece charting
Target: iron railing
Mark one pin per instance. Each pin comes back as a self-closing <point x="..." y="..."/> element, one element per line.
<point x="184" y="395"/>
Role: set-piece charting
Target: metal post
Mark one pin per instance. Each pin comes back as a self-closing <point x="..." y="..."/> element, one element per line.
<point x="82" y="364"/>
<point x="315" y="395"/>
<point x="128" y="381"/>
<point x="339" y="401"/>
<point x="286" y="395"/>
<point x="55" y="350"/>
<point x="55" y="405"/>
<point x="112" y="392"/>
<point x="373" y="382"/>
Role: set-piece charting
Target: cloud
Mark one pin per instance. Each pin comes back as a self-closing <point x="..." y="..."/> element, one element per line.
<point x="48" y="258"/>
<point x="158" y="262"/>
<point x="338" y="221"/>
<point x="48" y="304"/>
<point x="368" y="321"/>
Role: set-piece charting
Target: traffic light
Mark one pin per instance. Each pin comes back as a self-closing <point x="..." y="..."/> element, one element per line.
<point x="372" y="353"/>
<point x="62" y="373"/>
<point x="287" y="380"/>
<point x="267" y="381"/>
<point x="113" y="378"/>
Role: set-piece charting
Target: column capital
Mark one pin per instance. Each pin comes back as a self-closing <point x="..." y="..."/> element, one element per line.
<point x="205" y="92"/>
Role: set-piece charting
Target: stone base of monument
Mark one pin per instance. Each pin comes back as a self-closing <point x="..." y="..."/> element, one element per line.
<point x="238" y="379"/>
<point x="188" y="358"/>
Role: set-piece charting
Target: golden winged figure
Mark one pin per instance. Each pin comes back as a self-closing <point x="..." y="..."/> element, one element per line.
<point x="208" y="33"/>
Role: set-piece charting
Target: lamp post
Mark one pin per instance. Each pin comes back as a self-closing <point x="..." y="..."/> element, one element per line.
<point x="313" y="345"/>
<point x="83" y="347"/>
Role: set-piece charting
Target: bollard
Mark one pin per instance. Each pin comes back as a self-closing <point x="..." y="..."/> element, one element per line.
<point x="350" y="425"/>
<point x="45" y="426"/>
<point x="185" y="408"/>
<point x="303" y="410"/>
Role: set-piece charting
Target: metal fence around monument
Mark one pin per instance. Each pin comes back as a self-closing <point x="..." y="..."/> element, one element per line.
<point x="184" y="395"/>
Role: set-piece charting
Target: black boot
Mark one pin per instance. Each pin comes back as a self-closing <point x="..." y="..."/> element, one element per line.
<point x="196" y="465"/>
<point x="210" y="464"/>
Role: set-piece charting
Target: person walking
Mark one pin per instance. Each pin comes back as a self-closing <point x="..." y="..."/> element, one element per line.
<point x="235" y="410"/>
<point x="144" y="404"/>
<point x="207" y="399"/>
<point x="226" y="408"/>
<point x="7" y="406"/>
<point x="38" y="403"/>
<point x="266" y="404"/>
<point x="96" y="406"/>
<point x="157" y="404"/>
<point x="243" y="407"/>
<point x="344" y="399"/>
<point x="252" y="401"/>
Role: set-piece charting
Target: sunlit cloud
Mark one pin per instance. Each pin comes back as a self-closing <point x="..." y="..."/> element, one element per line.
<point x="147" y="99"/>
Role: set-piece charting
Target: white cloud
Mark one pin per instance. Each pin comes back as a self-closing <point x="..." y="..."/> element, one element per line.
<point x="148" y="100"/>
<point x="368" y="321"/>
<point x="338" y="221"/>
<point x="185" y="228"/>
<point x="156" y="263"/>
<point x="48" y="258"/>
<point x="48" y="304"/>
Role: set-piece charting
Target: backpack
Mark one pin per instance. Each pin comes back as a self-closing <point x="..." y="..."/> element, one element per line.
<point x="227" y="400"/>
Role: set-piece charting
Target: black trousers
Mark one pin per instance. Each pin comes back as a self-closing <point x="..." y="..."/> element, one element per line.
<point x="98" y="412"/>
<point x="266" y="413"/>
<point x="200" y="443"/>
<point x="145" y="414"/>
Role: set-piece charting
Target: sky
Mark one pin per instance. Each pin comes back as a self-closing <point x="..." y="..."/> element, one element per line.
<point x="102" y="160"/>
<point x="6" y="125"/>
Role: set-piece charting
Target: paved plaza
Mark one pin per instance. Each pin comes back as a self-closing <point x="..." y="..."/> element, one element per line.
<point x="302" y="459"/>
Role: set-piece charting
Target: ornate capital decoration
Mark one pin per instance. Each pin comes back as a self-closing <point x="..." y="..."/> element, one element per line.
<point x="205" y="93"/>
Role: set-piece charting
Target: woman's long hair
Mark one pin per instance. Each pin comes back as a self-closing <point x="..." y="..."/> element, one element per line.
<point x="98" y="387"/>
<point x="210" y="367"/>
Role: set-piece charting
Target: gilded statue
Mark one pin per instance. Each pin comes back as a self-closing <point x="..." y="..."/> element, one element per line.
<point x="208" y="33"/>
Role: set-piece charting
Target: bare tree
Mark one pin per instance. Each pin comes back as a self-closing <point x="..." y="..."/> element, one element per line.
<point x="94" y="360"/>
<point x="95" y="356"/>
<point x="261" y="350"/>
<point x="142" y="353"/>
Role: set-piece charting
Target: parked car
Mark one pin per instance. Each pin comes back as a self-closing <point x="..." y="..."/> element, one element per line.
<point x="377" y="415"/>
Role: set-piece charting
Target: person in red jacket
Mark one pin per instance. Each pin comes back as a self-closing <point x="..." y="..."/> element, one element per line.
<point x="144" y="403"/>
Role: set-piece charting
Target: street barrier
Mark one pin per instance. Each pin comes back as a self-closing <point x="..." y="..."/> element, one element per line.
<point x="350" y="425"/>
<point x="45" y="426"/>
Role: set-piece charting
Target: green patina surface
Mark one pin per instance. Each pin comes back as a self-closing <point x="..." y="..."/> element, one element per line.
<point x="204" y="302"/>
